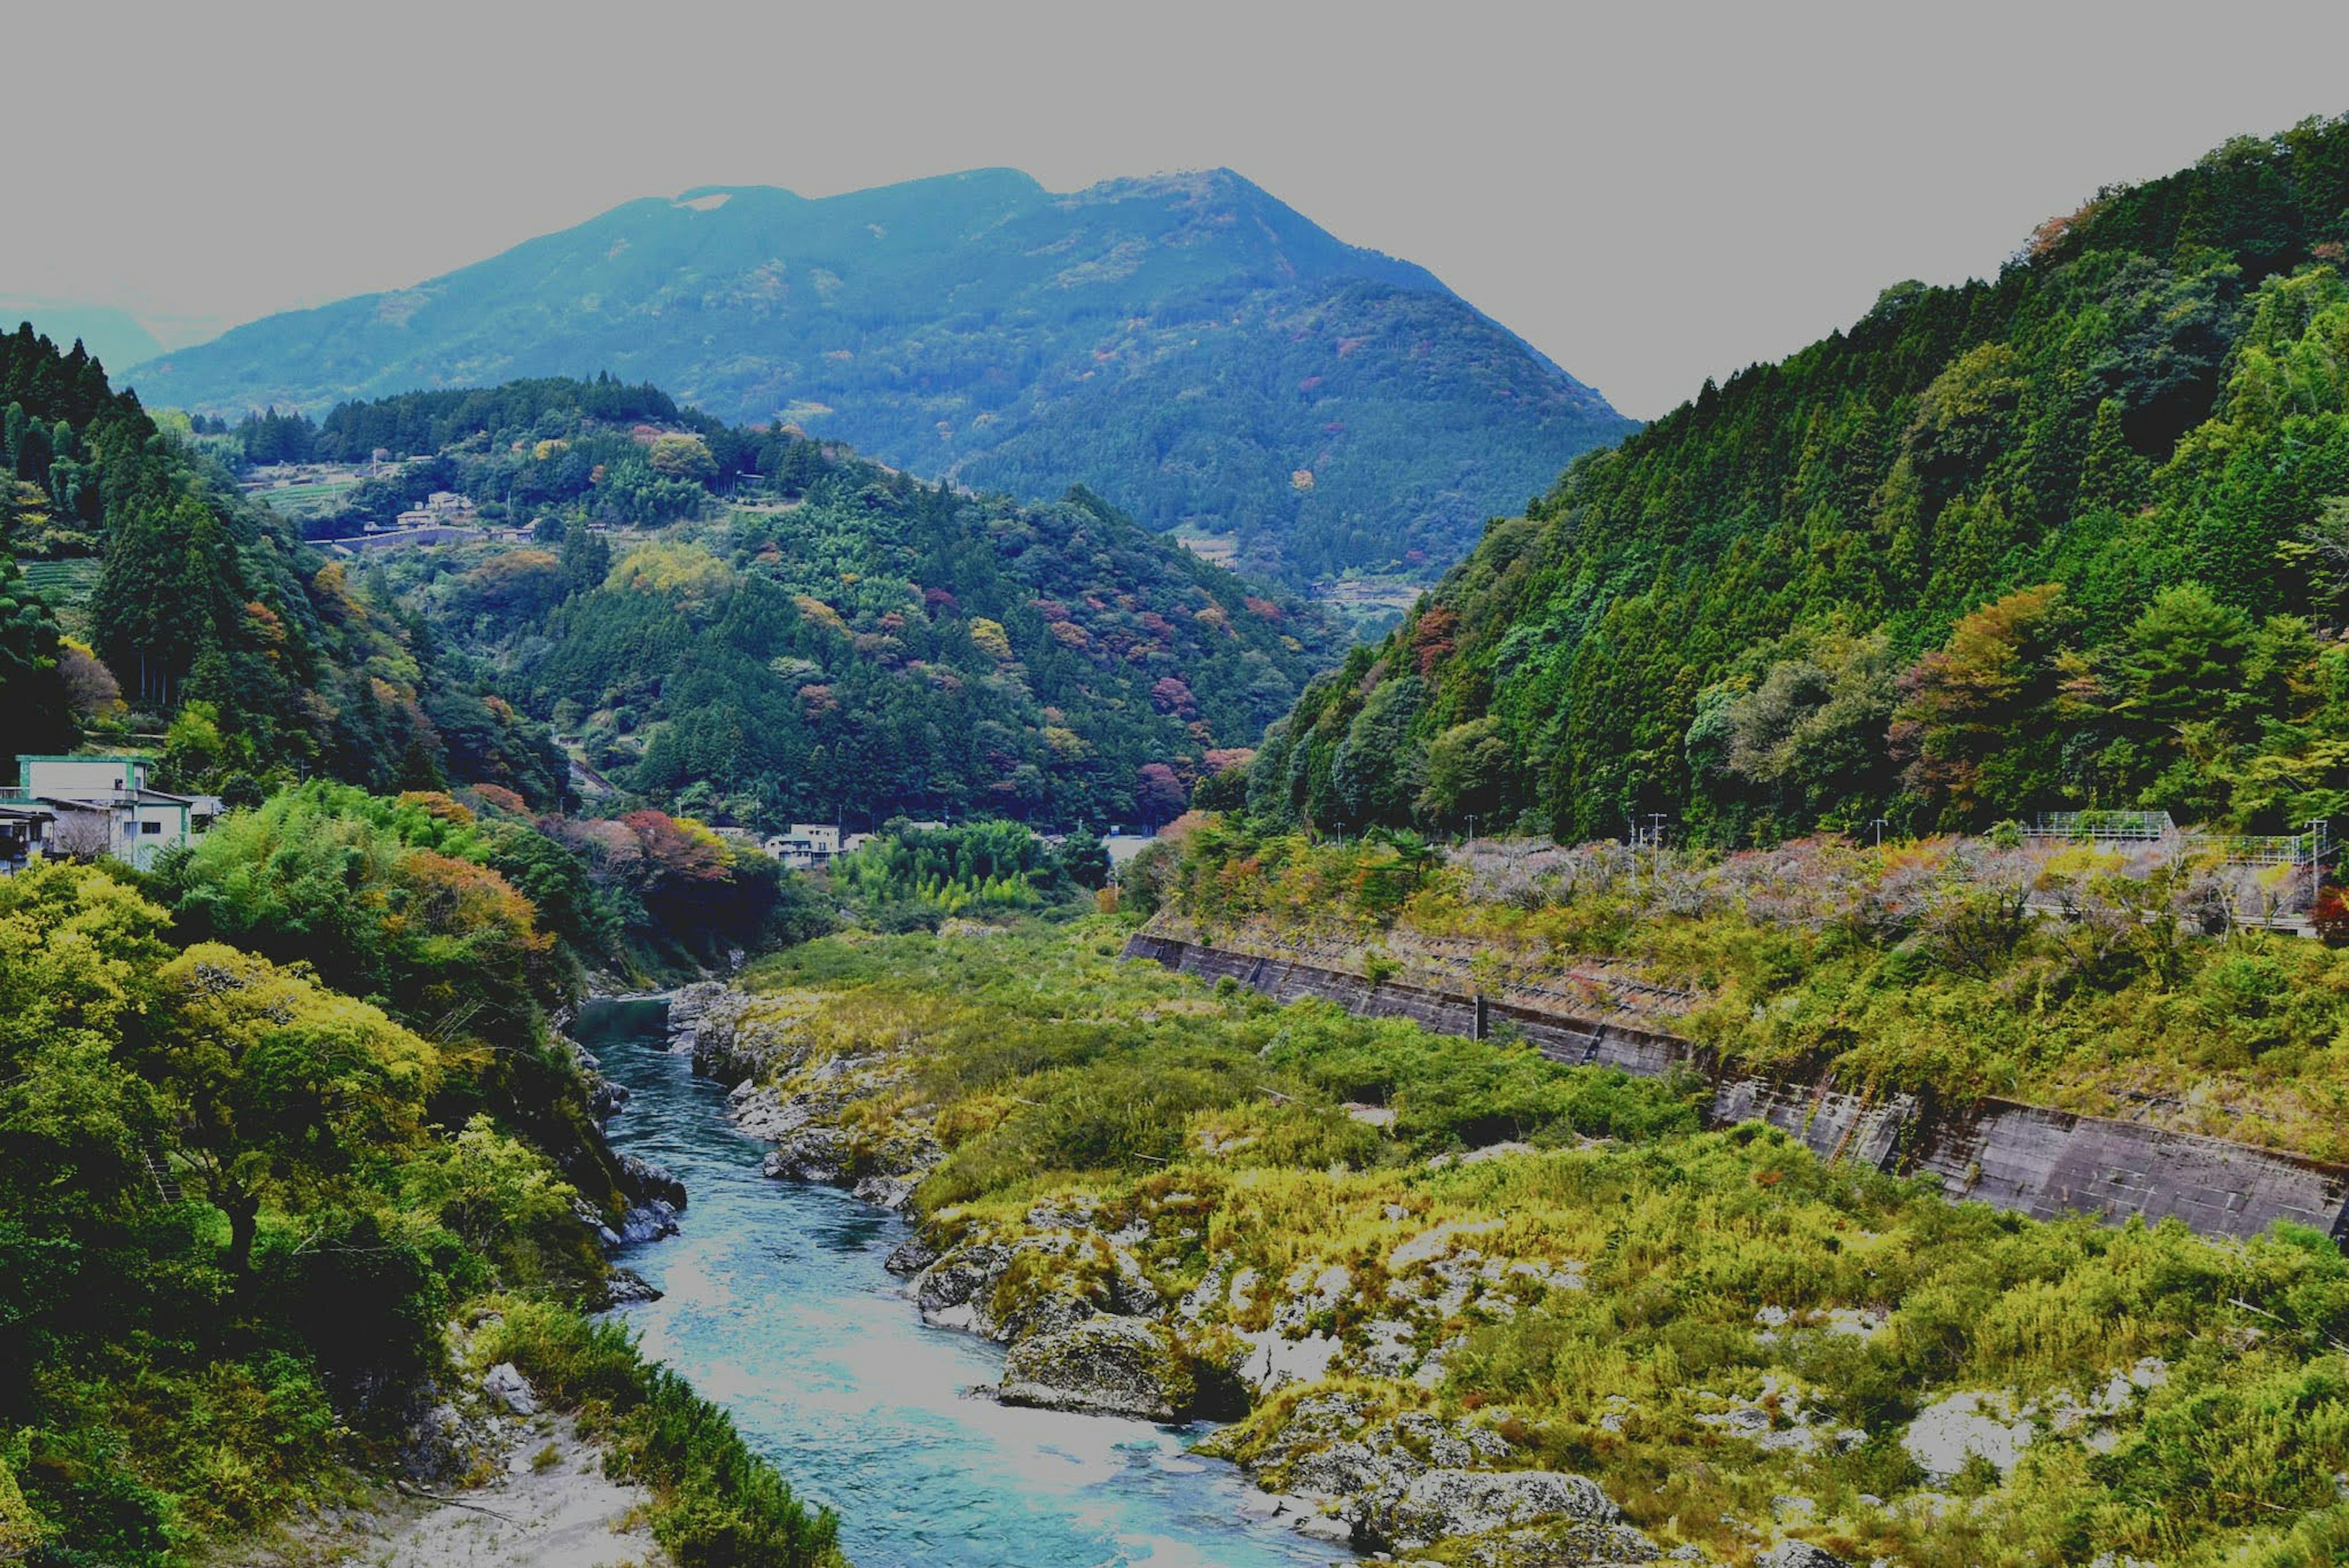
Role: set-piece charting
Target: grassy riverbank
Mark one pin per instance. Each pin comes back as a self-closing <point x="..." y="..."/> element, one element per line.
<point x="716" y="1504"/>
<point x="1735" y="1341"/>
<point x="2096" y="979"/>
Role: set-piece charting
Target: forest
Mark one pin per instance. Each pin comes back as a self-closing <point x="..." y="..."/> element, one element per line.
<point x="2075" y="536"/>
<point x="746" y="625"/>
<point x="242" y="1206"/>
<point x="207" y="616"/>
<point x="757" y="628"/>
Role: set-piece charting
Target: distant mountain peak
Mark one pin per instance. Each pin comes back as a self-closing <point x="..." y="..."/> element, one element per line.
<point x="1184" y="343"/>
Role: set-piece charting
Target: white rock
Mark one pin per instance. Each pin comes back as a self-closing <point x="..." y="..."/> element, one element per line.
<point x="506" y="1385"/>
<point x="1430" y="1244"/>
<point x="1949" y="1431"/>
<point x="1276" y="1361"/>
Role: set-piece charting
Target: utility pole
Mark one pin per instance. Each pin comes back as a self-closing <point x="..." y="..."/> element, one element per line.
<point x="1656" y="830"/>
<point x="1878" y="825"/>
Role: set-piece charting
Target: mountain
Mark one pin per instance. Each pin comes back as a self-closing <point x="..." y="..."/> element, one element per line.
<point x="759" y="627"/>
<point x="2070" y="537"/>
<point x="1185" y="346"/>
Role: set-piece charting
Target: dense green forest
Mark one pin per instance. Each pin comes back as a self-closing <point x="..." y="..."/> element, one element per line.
<point x="757" y="628"/>
<point x="2074" y="536"/>
<point x="1185" y="346"/>
<point x="241" y="1206"/>
<point x="207" y="614"/>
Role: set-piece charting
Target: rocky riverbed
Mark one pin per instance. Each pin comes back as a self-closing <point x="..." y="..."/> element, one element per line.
<point x="1332" y="1364"/>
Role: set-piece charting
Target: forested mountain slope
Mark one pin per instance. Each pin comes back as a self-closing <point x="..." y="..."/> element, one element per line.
<point x="759" y="627"/>
<point x="2072" y="537"/>
<point x="206" y="613"/>
<point x="1187" y="346"/>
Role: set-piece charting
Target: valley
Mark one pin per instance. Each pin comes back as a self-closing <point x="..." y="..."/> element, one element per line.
<point x="950" y="875"/>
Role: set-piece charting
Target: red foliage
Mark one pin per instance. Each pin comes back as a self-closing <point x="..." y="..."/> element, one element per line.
<point x="1157" y="793"/>
<point x="1435" y="638"/>
<point x="1172" y="694"/>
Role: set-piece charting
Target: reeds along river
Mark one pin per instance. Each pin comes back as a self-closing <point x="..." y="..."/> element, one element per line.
<point x="777" y="1306"/>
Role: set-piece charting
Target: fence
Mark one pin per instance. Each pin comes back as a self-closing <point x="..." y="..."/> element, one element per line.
<point x="2307" y="848"/>
<point x="2122" y="826"/>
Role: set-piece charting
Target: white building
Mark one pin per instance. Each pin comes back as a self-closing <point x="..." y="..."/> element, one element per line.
<point x="805" y="846"/>
<point x="103" y="806"/>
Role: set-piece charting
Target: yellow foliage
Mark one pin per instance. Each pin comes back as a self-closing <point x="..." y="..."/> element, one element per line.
<point x="686" y="573"/>
<point x="989" y="638"/>
<point x="821" y="614"/>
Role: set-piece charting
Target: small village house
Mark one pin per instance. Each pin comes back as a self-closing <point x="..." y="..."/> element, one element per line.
<point x="90" y="806"/>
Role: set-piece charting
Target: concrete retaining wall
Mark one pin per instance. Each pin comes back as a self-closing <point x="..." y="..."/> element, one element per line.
<point x="2023" y="1157"/>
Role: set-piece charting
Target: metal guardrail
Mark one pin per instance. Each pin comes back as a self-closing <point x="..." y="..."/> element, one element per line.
<point x="2275" y="849"/>
<point x="2157" y="827"/>
<point x="2124" y="827"/>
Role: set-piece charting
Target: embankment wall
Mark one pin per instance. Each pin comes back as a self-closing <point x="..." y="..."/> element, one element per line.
<point x="2022" y="1157"/>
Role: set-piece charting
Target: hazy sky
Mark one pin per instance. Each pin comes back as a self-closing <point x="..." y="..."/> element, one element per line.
<point x="1650" y="194"/>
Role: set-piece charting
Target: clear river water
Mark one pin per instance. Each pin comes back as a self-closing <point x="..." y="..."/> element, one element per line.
<point x="776" y="1305"/>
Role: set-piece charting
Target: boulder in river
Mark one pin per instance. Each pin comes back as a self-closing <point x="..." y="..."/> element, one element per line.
<point x="648" y="1223"/>
<point x="910" y="1257"/>
<point x="648" y="1181"/>
<point x="1113" y="1365"/>
<point x="952" y="1291"/>
<point x="624" y="1286"/>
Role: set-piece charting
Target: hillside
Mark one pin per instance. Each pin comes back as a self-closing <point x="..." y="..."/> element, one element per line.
<point x="202" y="614"/>
<point x="2071" y="537"/>
<point x="760" y="627"/>
<point x="1187" y="346"/>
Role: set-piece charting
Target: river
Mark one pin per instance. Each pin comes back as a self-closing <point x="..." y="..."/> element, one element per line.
<point x="776" y="1305"/>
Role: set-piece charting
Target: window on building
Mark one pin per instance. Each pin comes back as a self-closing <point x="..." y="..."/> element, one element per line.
<point x="150" y="827"/>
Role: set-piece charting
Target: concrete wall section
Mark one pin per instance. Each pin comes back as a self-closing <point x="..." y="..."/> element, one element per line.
<point x="2039" y="1162"/>
<point x="2046" y="1163"/>
<point x="1831" y="1124"/>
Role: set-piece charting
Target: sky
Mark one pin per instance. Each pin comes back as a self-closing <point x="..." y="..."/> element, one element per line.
<point x="1649" y="194"/>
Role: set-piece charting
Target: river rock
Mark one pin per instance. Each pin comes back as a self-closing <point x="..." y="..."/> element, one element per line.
<point x="910" y="1257"/>
<point x="1048" y="1313"/>
<point x="950" y="1290"/>
<point x="1114" y="1365"/>
<point x="1438" y="1503"/>
<point x="812" y="1154"/>
<point x="623" y="1286"/>
<point x="690" y="1016"/>
<point x="648" y="1223"/>
<point x="884" y="1192"/>
<point x="593" y="1222"/>
<point x="760" y="1112"/>
<point x="604" y="1098"/>
<point x="1561" y="1544"/>
<point x="649" y="1181"/>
